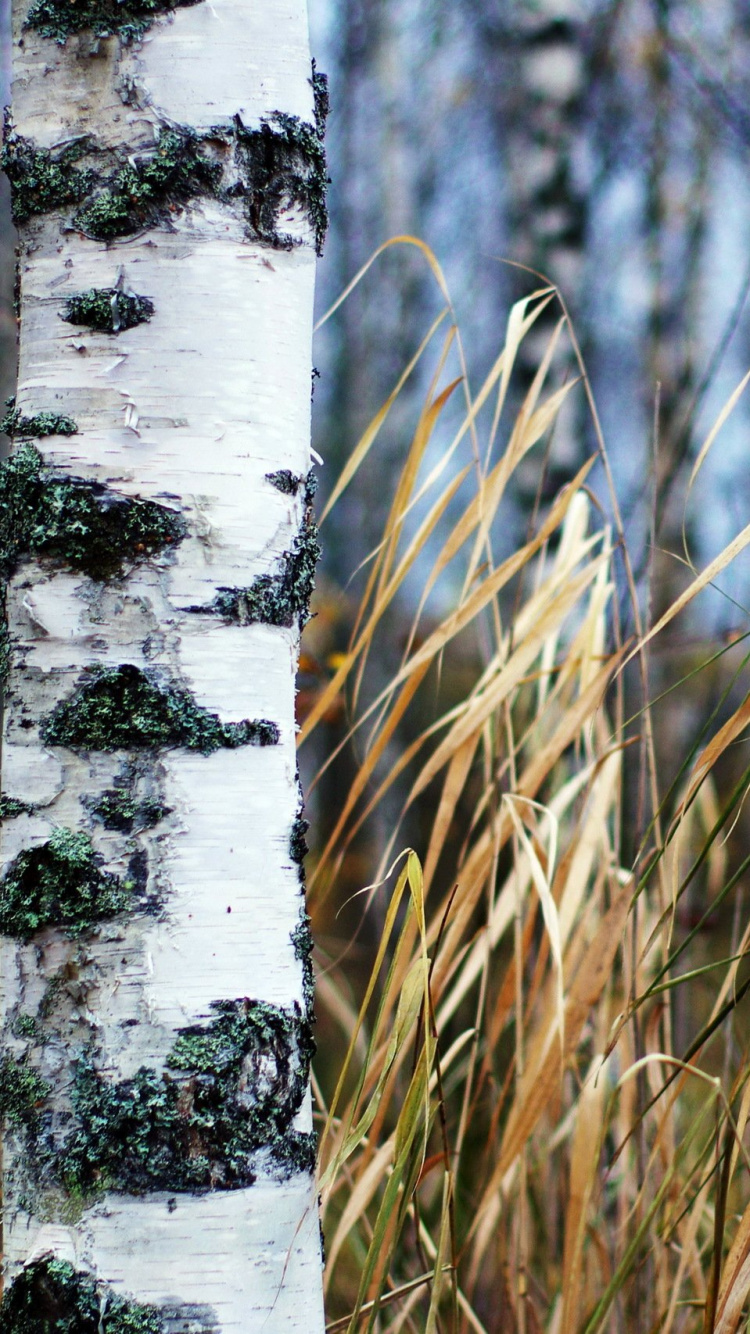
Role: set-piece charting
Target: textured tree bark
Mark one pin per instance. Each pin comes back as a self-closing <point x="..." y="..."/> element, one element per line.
<point x="157" y="543"/>
<point x="548" y="204"/>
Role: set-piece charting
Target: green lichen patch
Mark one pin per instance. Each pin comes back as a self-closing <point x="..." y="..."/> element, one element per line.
<point x="53" y="992"/>
<point x="84" y="524"/>
<point x="60" y="883"/>
<point x="230" y="1090"/>
<point x="49" y="1296"/>
<point x="178" y="170"/>
<point x="127" y="708"/>
<point x="127" y="19"/>
<point x="301" y="937"/>
<point x="107" y="309"/>
<point x="285" y="481"/>
<point x="11" y="808"/>
<point x="22" y="1093"/>
<point x="302" y="942"/>
<point x="270" y="169"/>
<point x="42" y="180"/>
<point x="319" y="84"/>
<point x="118" y="809"/>
<point x="282" y="164"/>
<point x="298" y="848"/>
<point x="26" y="1026"/>
<point x="280" y="599"/>
<point x="5" y="642"/>
<point x="41" y="424"/>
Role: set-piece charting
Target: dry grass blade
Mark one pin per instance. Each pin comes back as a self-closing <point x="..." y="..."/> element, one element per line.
<point x="584" y="1165"/>
<point x="359" y="454"/>
<point x="543" y="1068"/>
<point x="538" y="1122"/>
<point x="541" y="879"/>
<point x="732" y="729"/>
<point x="735" y="1280"/>
<point x="730" y="553"/>
<point x="723" y="416"/>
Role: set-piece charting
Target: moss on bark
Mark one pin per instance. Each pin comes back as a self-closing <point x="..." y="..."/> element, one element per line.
<point x="128" y="19"/>
<point x="60" y="883"/>
<point x="230" y="1091"/>
<point x="118" y="809"/>
<point x="11" y="807"/>
<point x="84" y="524"/>
<point x="49" y="1296"/>
<point x="301" y="936"/>
<point x="107" y="309"/>
<point x="40" y="180"/>
<point x="282" y="164"/>
<point x="277" y="166"/>
<point x="178" y="170"/>
<point x="285" y="481"/>
<point x="127" y="708"/>
<point x="22" y="1093"/>
<point x="302" y="942"/>
<point x="41" y="424"/>
<point x="280" y="599"/>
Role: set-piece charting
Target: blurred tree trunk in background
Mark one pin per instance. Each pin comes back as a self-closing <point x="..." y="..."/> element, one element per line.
<point x="546" y="151"/>
<point x="539" y="133"/>
<point x="156" y="533"/>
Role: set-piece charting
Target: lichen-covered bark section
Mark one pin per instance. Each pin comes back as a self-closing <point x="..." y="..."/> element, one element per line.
<point x="220" y="1112"/>
<point x="199" y="66"/>
<point x="261" y="173"/>
<point x="127" y="19"/>
<point x="157" y="542"/>
<point x="107" y="309"/>
<point x="127" y="708"/>
<point x="52" y="1297"/>
<point x="77" y="523"/>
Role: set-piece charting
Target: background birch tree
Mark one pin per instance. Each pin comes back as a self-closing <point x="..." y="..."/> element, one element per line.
<point x="157" y="542"/>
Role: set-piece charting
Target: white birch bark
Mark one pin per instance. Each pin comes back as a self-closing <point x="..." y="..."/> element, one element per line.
<point x="193" y="410"/>
<point x="548" y="203"/>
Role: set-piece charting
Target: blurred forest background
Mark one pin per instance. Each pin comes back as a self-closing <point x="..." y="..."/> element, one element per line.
<point x="604" y="144"/>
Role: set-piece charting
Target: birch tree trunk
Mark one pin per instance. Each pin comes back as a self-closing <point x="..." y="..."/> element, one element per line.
<point x="158" y="547"/>
<point x="548" y="204"/>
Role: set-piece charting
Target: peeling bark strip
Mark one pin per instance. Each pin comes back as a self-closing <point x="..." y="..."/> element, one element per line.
<point x="158" y="1136"/>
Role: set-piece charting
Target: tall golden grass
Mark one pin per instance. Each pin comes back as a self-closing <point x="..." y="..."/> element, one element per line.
<point x="536" y="1115"/>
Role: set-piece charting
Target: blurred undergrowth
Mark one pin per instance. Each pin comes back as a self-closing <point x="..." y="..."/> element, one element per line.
<point x="532" y="1082"/>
